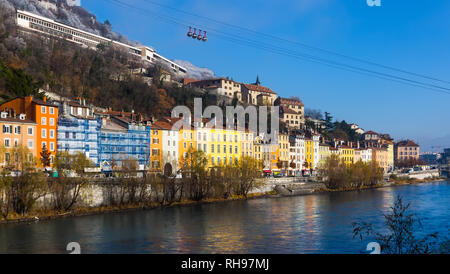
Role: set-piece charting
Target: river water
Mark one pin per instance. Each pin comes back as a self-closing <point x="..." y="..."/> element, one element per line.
<point x="305" y="224"/>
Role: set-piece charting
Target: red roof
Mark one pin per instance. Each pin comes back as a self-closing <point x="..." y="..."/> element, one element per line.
<point x="371" y="132"/>
<point x="259" y="88"/>
<point x="286" y="101"/>
<point x="288" y="110"/>
<point x="407" y="143"/>
<point x="189" y="80"/>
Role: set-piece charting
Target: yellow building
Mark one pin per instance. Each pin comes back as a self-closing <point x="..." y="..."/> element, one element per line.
<point x="186" y="143"/>
<point x="309" y="153"/>
<point x="380" y="155"/>
<point x="224" y="147"/>
<point x="246" y="140"/>
<point x="390" y="156"/>
<point x="156" y="148"/>
<point x="267" y="153"/>
<point x="324" y="153"/>
<point x="283" y="152"/>
<point x="348" y="154"/>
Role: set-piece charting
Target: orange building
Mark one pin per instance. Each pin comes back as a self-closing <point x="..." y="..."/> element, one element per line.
<point x="14" y="133"/>
<point x="43" y="113"/>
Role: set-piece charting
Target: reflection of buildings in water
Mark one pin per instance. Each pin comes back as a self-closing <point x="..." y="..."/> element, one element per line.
<point x="307" y="221"/>
<point x="387" y="198"/>
<point x="224" y="233"/>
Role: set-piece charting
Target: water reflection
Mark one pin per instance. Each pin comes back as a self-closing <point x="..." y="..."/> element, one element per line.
<point x="305" y="224"/>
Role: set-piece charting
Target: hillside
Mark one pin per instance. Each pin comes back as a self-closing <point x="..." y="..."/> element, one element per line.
<point x="103" y="76"/>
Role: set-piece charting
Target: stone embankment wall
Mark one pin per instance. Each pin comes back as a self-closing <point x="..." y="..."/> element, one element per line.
<point x="101" y="192"/>
<point x="428" y="174"/>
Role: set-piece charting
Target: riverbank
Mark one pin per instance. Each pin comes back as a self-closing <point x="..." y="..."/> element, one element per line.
<point x="293" y="189"/>
<point x="45" y="215"/>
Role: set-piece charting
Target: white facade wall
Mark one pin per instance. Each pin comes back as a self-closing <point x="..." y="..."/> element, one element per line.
<point x="170" y="148"/>
<point x="366" y="155"/>
<point x="297" y="153"/>
<point x="316" y="150"/>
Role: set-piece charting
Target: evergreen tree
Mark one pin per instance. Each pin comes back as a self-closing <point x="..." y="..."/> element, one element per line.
<point x="45" y="157"/>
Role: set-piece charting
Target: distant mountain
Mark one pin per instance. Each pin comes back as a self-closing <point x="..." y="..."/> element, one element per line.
<point x="434" y="144"/>
<point x="69" y="12"/>
<point x="194" y="71"/>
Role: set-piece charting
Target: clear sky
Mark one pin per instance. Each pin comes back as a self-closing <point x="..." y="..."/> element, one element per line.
<point x="413" y="35"/>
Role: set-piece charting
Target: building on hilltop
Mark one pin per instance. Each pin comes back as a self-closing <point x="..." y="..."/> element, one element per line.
<point x="357" y="129"/>
<point x="292" y="112"/>
<point x="32" y="23"/>
<point x="217" y="86"/>
<point x="252" y="93"/>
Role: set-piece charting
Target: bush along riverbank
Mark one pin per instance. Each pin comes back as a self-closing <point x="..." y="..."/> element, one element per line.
<point x="32" y="196"/>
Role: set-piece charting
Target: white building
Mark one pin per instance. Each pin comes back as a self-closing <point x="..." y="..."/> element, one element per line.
<point x="296" y="154"/>
<point x="170" y="148"/>
<point x="316" y="148"/>
<point x="37" y="23"/>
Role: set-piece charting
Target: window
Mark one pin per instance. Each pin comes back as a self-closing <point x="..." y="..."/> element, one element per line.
<point x="218" y="148"/>
<point x="51" y="110"/>
<point x="17" y="130"/>
<point x="44" y="144"/>
<point x="52" y="121"/>
<point x="43" y="109"/>
<point x="30" y="143"/>
<point x="44" y="121"/>
<point x="52" y="146"/>
<point x="52" y="133"/>
<point x="7" y="143"/>
<point x="16" y="143"/>
<point x="44" y="133"/>
<point x="212" y="149"/>
<point x="30" y="131"/>
<point x="7" y="129"/>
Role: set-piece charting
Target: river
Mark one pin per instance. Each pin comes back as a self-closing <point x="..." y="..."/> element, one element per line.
<point x="304" y="224"/>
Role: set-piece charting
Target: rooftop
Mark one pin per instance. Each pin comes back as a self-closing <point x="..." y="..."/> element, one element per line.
<point x="259" y="88"/>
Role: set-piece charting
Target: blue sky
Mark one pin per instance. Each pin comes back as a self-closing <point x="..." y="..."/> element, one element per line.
<point x="413" y="35"/>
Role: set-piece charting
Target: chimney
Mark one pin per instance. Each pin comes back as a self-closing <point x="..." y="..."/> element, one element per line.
<point x="45" y="98"/>
<point x="357" y="144"/>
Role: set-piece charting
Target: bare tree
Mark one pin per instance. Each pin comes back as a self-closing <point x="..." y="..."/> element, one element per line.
<point x="401" y="238"/>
